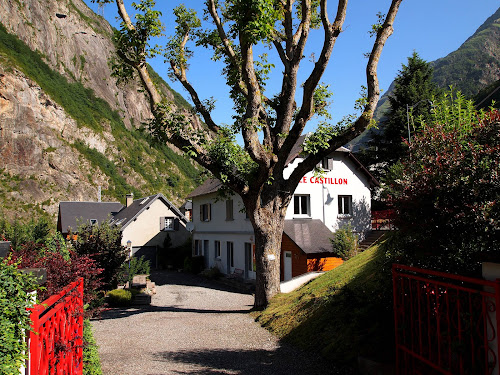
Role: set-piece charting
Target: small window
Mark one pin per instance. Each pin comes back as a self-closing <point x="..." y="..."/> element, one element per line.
<point x="326" y="164"/>
<point x="301" y="205"/>
<point x="169" y="223"/>
<point x="217" y="249"/>
<point x="205" y="212"/>
<point x="345" y="204"/>
<point x="93" y="221"/>
<point x="229" y="210"/>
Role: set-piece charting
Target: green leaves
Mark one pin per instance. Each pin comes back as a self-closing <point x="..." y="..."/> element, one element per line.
<point x="187" y="22"/>
<point x="14" y="318"/>
<point x="254" y="20"/>
<point x="231" y="158"/>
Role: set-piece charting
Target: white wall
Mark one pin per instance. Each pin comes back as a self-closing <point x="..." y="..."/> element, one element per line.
<point x="343" y="179"/>
<point x="145" y="230"/>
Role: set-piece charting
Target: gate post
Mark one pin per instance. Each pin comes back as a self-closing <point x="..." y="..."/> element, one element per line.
<point x="491" y="271"/>
<point x="395" y="308"/>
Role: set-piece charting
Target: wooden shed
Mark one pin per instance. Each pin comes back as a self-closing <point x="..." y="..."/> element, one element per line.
<point x="306" y="247"/>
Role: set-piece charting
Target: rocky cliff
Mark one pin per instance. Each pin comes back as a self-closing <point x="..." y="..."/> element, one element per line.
<point x="66" y="128"/>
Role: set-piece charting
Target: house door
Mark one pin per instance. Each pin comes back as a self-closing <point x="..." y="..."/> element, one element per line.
<point x="248" y="259"/>
<point x="230" y="257"/>
<point x="206" y="253"/>
<point x="287" y="263"/>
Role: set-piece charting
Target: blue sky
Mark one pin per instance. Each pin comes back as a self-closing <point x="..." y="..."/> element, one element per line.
<point x="431" y="28"/>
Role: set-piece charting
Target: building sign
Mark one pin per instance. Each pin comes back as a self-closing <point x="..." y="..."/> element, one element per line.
<point x="324" y="180"/>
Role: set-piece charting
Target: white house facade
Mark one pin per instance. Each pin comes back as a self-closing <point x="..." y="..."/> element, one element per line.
<point x="340" y="196"/>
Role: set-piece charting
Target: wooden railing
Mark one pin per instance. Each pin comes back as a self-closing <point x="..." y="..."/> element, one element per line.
<point x="56" y="340"/>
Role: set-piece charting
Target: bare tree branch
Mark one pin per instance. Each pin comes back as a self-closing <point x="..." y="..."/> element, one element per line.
<point x="372" y="98"/>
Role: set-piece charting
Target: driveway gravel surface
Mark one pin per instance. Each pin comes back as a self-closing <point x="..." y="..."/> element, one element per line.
<point x="194" y="326"/>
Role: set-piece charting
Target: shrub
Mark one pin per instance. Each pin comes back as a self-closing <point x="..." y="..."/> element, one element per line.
<point x="120" y="297"/>
<point x="61" y="271"/>
<point x="103" y="243"/>
<point x="445" y="191"/>
<point x="197" y="264"/>
<point x="137" y="266"/>
<point x="14" y="318"/>
<point x="344" y="243"/>
<point x="212" y="273"/>
<point x="91" y="361"/>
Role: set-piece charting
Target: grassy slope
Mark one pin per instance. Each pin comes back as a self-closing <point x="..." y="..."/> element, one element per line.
<point x="342" y="314"/>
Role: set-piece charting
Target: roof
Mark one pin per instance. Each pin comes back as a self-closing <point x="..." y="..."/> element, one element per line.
<point x="312" y="236"/>
<point x="209" y="186"/>
<point x="128" y="214"/>
<point x="213" y="185"/>
<point x="72" y="214"/>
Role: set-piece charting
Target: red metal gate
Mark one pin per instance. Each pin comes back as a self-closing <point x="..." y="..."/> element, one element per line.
<point x="56" y="343"/>
<point x="444" y="323"/>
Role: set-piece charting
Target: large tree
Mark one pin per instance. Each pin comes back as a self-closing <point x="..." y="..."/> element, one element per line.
<point x="269" y="126"/>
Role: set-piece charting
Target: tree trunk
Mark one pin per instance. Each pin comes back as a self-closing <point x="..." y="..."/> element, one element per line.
<point x="268" y="226"/>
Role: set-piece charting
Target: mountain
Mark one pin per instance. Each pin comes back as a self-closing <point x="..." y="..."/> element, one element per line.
<point x="67" y="130"/>
<point x="476" y="63"/>
<point x="474" y="69"/>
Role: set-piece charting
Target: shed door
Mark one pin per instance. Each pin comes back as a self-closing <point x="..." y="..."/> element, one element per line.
<point x="287" y="263"/>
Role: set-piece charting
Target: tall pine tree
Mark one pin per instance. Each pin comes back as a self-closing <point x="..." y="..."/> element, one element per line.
<point x="410" y="99"/>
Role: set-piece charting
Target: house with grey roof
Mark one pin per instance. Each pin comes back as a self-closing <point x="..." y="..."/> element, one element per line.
<point x="145" y="222"/>
<point x="224" y="236"/>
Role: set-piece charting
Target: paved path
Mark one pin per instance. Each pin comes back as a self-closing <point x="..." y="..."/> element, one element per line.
<point x="194" y="326"/>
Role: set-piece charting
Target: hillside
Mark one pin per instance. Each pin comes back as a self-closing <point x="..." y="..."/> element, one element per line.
<point x="476" y="63"/>
<point x="473" y="69"/>
<point x="343" y="314"/>
<point x="66" y="128"/>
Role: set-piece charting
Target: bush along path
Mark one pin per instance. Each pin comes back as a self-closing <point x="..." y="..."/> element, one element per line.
<point x="194" y="326"/>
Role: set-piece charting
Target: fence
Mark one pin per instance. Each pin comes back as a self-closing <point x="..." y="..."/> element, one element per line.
<point x="445" y="324"/>
<point x="383" y="219"/>
<point x="56" y="343"/>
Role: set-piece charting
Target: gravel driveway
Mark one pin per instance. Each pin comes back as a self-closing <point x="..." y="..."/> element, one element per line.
<point x="194" y="326"/>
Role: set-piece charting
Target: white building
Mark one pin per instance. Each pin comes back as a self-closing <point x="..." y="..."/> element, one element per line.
<point x="224" y="235"/>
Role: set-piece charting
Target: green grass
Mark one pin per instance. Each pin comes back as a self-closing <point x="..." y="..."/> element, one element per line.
<point x="342" y="314"/>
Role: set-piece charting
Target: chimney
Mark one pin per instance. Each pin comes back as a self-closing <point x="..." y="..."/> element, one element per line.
<point x="129" y="198"/>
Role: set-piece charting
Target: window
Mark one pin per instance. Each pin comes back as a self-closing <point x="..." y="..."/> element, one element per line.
<point x="93" y="221"/>
<point x="325" y="164"/>
<point x="217" y="249"/>
<point x="205" y="212"/>
<point x="230" y="254"/>
<point x="301" y="205"/>
<point x="197" y="248"/>
<point x="169" y="223"/>
<point x="229" y="210"/>
<point x="345" y="204"/>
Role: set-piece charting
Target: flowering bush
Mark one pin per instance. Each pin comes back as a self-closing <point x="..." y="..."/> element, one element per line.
<point x="447" y="190"/>
<point x="61" y="271"/>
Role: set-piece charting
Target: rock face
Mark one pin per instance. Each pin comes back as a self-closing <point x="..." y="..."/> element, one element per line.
<point x="77" y="43"/>
<point x="39" y="164"/>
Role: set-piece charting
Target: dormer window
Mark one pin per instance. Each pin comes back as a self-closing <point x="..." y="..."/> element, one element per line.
<point x="169" y="223"/>
<point x="326" y="164"/>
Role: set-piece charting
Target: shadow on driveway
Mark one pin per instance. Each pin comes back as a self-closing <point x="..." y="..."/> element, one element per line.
<point x="282" y="361"/>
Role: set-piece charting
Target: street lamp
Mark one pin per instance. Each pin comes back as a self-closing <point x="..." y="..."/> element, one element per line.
<point x="408" y="113"/>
